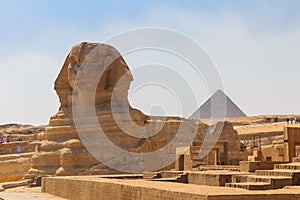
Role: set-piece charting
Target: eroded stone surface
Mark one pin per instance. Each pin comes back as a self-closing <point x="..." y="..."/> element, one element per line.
<point x="64" y="154"/>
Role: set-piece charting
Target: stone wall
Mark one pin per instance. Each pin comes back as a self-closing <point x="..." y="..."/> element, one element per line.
<point x="77" y="190"/>
<point x="291" y="142"/>
<point x="88" y="188"/>
<point x="15" y="169"/>
<point x="209" y="178"/>
<point x="227" y="147"/>
<point x="271" y="145"/>
<point x="11" y="148"/>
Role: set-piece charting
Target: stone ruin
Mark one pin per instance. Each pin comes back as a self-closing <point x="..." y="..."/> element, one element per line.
<point x="63" y="153"/>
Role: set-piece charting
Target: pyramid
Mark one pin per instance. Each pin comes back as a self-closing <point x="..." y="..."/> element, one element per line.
<point x="231" y="109"/>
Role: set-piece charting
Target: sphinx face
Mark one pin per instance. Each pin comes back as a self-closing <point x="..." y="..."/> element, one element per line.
<point x="77" y="58"/>
<point x="97" y="58"/>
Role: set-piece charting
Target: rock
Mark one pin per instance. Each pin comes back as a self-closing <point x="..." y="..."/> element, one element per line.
<point x="38" y="182"/>
<point x="14" y="184"/>
<point x="20" y="132"/>
<point x="63" y="152"/>
<point x="14" y="169"/>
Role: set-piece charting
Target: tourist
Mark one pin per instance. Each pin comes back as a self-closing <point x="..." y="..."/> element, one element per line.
<point x="18" y="149"/>
<point x="276" y="119"/>
<point x="8" y="139"/>
<point x="1" y="140"/>
<point x="287" y="120"/>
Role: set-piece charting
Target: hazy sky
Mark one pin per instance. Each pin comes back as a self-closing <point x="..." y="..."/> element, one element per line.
<point x="254" y="44"/>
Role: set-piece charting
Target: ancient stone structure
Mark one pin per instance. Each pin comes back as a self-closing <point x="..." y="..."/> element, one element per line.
<point x="263" y="142"/>
<point x="14" y="166"/>
<point x="232" y="110"/>
<point x="292" y="143"/>
<point x="225" y="152"/>
<point x="62" y="153"/>
<point x="86" y="187"/>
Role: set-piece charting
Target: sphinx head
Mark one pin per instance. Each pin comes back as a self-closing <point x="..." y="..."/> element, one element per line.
<point x="97" y="57"/>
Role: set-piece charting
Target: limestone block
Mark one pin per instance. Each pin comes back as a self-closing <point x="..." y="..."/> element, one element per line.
<point x="46" y="159"/>
<point x="12" y="170"/>
<point x="249" y="166"/>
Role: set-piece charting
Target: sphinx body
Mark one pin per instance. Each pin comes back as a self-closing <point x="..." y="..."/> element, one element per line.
<point x="63" y="153"/>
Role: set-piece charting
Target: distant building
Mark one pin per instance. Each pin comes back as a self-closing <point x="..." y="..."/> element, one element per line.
<point x="217" y="100"/>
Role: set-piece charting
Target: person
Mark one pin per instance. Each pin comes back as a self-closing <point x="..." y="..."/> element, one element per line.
<point x="1" y="140"/>
<point x="276" y="119"/>
<point x="8" y="139"/>
<point x="18" y="149"/>
<point x="287" y="120"/>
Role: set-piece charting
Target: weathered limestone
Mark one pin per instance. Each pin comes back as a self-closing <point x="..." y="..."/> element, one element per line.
<point x="14" y="169"/>
<point x="232" y="110"/>
<point x="16" y="130"/>
<point x="249" y="166"/>
<point x="226" y="151"/>
<point x="14" y="166"/>
<point x="63" y="152"/>
<point x="93" y="188"/>
<point x="291" y="142"/>
<point x="265" y="139"/>
<point x="282" y="175"/>
<point x="10" y="148"/>
<point x="210" y="178"/>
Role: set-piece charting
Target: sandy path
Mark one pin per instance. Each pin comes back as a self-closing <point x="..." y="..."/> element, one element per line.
<point x="25" y="193"/>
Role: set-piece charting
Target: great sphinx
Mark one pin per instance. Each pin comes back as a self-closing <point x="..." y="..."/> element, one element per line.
<point x="63" y="153"/>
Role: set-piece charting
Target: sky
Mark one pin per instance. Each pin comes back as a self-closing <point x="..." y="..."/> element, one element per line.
<point x="255" y="46"/>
